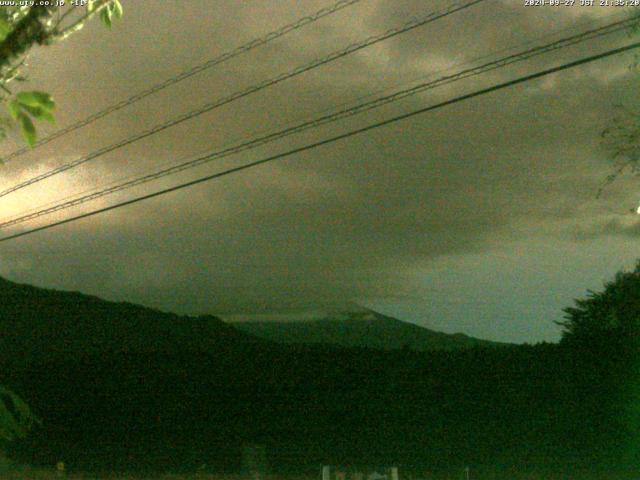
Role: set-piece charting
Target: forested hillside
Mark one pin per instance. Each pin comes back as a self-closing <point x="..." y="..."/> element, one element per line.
<point x="175" y="404"/>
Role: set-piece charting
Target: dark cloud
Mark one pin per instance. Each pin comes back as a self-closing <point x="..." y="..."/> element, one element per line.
<point x="344" y="222"/>
<point x="610" y="228"/>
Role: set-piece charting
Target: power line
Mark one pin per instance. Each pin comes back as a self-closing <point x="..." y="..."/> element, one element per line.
<point x="415" y="23"/>
<point x="453" y="67"/>
<point x="353" y="101"/>
<point x="333" y="139"/>
<point x="611" y="28"/>
<point x="314" y="123"/>
<point x="255" y="43"/>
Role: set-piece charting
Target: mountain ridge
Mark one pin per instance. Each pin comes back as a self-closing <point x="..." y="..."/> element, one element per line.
<point x="45" y="323"/>
<point x="361" y="328"/>
<point x="118" y="392"/>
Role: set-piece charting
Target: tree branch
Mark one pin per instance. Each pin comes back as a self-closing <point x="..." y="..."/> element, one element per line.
<point x="79" y="23"/>
<point x="28" y="31"/>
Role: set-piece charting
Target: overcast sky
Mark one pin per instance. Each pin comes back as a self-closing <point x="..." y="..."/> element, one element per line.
<point x="480" y="217"/>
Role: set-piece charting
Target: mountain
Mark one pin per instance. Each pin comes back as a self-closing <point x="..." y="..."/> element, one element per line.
<point x="362" y="328"/>
<point x="38" y="323"/>
<point x="124" y="388"/>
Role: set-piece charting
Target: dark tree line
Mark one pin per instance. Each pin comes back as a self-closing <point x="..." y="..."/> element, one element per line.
<point x="552" y="410"/>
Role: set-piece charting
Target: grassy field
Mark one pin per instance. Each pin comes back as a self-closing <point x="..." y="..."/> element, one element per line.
<point x="28" y="473"/>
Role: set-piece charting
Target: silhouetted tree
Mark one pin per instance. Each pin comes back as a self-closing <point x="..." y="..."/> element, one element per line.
<point x="603" y="331"/>
<point x="610" y="315"/>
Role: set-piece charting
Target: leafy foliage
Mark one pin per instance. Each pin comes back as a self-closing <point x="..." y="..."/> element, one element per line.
<point x="28" y="105"/>
<point x="22" y="27"/>
<point x="605" y="328"/>
<point x="111" y="11"/>
<point x="16" y="418"/>
<point x="612" y="313"/>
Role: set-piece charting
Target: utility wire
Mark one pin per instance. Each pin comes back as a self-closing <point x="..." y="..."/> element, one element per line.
<point x="344" y="104"/>
<point x="414" y="23"/>
<point x="353" y="101"/>
<point x="527" y="43"/>
<point x="333" y="139"/>
<point x="255" y="43"/>
<point x="119" y="186"/>
<point x="376" y="103"/>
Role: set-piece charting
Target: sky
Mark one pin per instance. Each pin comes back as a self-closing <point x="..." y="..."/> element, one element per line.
<point x="480" y="217"/>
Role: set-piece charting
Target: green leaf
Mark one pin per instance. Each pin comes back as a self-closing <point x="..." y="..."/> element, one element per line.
<point x="117" y="9"/>
<point x="5" y="28"/>
<point x="28" y="129"/>
<point x="112" y="10"/>
<point x="105" y="16"/>
<point x="14" y="109"/>
<point x="39" y="113"/>
<point x="17" y="422"/>
<point x="36" y="99"/>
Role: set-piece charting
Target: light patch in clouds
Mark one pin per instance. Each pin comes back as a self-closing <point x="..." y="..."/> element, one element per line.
<point x="34" y="196"/>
